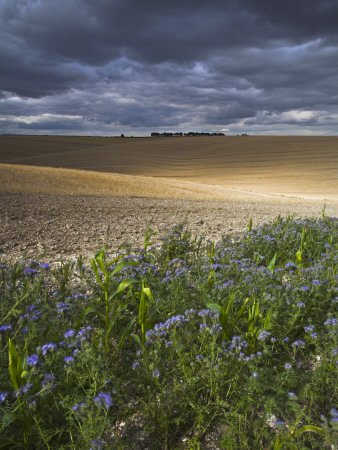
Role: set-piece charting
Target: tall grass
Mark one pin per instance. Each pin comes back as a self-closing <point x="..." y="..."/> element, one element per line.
<point x="164" y="345"/>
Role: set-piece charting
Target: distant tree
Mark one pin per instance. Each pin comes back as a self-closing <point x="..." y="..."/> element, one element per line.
<point x="122" y="135"/>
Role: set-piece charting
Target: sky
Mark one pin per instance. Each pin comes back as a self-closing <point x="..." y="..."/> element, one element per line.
<point x="106" y="67"/>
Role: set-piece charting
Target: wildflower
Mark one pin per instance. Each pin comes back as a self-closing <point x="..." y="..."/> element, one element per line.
<point x="255" y="374"/>
<point x="291" y="266"/>
<point x="135" y="365"/>
<point x="287" y="366"/>
<point x="78" y="407"/>
<point x="304" y="288"/>
<point x="48" y="348"/>
<point x="104" y="400"/>
<point x="286" y="339"/>
<point x="334" y="412"/>
<point x="199" y="357"/>
<point x="3" y="396"/>
<point x="48" y="379"/>
<point x="292" y="396"/>
<point x="96" y="444"/>
<point x="278" y="424"/>
<point x="45" y="266"/>
<point x="23" y="390"/>
<point x="309" y="328"/>
<point x="262" y="335"/>
<point x="63" y="307"/>
<point x="314" y="335"/>
<point x="156" y="373"/>
<point x="4" y="329"/>
<point x="215" y="329"/>
<point x="68" y="361"/>
<point x="300" y="304"/>
<point x="68" y="334"/>
<point x="298" y="343"/>
<point x="32" y="360"/>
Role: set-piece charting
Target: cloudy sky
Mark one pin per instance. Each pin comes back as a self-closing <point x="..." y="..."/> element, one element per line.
<point x="106" y="67"/>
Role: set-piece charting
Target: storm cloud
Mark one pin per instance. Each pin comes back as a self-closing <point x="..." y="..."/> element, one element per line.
<point x="129" y="66"/>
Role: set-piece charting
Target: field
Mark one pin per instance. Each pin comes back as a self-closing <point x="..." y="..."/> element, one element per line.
<point x="304" y="167"/>
<point x="217" y="332"/>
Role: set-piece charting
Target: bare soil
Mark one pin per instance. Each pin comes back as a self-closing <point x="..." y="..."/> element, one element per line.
<point x="61" y="227"/>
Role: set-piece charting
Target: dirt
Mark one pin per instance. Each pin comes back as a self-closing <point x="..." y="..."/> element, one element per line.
<point x="61" y="227"/>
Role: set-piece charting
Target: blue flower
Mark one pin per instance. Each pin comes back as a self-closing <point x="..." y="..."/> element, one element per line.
<point x="287" y="366"/>
<point x="3" y="396"/>
<point x="48" y="348"/>
<point x="309" y="328"/>
<point x="255" y="374"/>
<point x="298" y="343"/>
<point x="96" y="444"/>
<point x="5" y="328"/>
<point x="69" y="361"/>
<point x="135" y="365"/>
<point x="68" y="334"/>
<point x="156" y="373"/>
<point x="32" y="360"/>
<point x="48" y="379"/>
<point x="104" y="400"/>
<point x="45" y="266"/>
<point x="263" y="335"/>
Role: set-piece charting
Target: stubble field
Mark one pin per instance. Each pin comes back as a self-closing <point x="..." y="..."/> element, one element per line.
<point x="67" y="195"/>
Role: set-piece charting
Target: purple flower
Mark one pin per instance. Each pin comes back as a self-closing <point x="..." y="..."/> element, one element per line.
<point x="263" y="335"/>
<point x="45" y="266"/>
<point x="309" y="328"/>
<point x="68" y="334"/>
<point x="32" y="360"/>
<point x="48" y="379"/>
<point x="68" y="361"/>
<point x="78" y="407"/>
<point x="48" y="348"/>
<point x="104" y="400"/>
<point x="4" y="329"/>
<point x="300" y="304"/>
<point x="255" y="374"/>
<point x="3" y="396"/>
<point x="96" y="444"/>
<point x="156" y="373"/>
<point x="298" y="343"/>
<point x="288" y="366"/>
<point x="135" y="365"/>
<point x="63" y="307"/>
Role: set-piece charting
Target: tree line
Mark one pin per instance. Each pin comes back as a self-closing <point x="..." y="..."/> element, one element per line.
<point x="190" y="133"/>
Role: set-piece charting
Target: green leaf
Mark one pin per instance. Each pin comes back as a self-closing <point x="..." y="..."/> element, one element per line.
<point x="309" y="428"/>
<point x="214" y="307"/>
<point x="13" y="365"/>
<point x="272" y="263"/>
<point x="96" y="271"/>
<point x="137" y="340"/>
<point x="122" y="266"/>
<point x="122" y="286"/>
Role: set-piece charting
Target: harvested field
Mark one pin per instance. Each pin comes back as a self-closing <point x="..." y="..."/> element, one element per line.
<point x="110" y="189"/>
<point x="305" y="167"/>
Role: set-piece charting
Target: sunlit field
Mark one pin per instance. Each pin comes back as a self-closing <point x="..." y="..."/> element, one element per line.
<point x="304" y="167"/>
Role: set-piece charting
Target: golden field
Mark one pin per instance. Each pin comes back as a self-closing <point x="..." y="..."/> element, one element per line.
<point x="177" y="167"/>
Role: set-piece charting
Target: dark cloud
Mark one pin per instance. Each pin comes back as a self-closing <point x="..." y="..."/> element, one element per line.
<point x="96" y="67"/>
